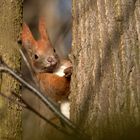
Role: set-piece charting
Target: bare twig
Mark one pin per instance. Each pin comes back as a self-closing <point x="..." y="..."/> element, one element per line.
<point x="45" y="100"/>
<point x="25" y="105"/>
<point x="28" y="65"/>
<point x="40" y="115"/>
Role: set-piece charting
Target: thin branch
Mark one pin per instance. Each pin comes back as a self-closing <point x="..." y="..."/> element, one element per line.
<point x="45" y="100"/>
<point x="25" y="105"/>
<point x="28" y="64"/>
<point x="29" y="107"/>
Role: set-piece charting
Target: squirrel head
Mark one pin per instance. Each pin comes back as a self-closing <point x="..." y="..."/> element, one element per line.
<point x="42" y="55"/>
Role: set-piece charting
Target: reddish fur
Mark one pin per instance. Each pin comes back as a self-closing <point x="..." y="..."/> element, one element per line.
<point x="54" y="86"/>
<point x="27" y="35"/>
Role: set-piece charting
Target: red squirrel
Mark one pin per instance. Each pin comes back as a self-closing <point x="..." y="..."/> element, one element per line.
<point x="52" y="73"/>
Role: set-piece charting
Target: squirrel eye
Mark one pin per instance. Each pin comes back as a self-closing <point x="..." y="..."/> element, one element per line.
<point x="35" y="56"/>
<point x="54" y="50"/>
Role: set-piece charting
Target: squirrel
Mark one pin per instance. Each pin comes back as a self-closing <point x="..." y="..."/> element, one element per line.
<point x="52" y="73"/>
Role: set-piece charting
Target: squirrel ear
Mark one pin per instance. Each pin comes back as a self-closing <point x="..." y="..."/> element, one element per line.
<point x="42" y="29"/>
<point x="27" y="37"/>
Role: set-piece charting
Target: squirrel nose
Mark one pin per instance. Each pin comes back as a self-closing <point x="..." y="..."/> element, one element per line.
<point x="51" y="60"/>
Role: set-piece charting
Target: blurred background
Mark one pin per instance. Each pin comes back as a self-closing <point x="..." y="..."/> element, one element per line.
<point x="58" y="20"/>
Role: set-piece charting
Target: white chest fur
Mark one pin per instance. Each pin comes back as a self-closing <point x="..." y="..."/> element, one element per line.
<point x="65" y="108"/>
<point x="63" y="65"/>
<point x="65" y="104"/>
<point x="60" y="71"/>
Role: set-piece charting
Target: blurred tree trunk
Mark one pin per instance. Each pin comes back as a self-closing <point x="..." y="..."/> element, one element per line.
<point x="10" y="27"/>
<point x="105" y="95"/>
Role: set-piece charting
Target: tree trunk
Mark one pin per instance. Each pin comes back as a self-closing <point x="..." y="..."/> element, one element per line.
<point x="10" y="27"/>
<point x="105" y="95"/>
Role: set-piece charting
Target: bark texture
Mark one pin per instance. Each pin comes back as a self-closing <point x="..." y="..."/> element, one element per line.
<point x="10" y="27"/>
<point x="105" y="91"/>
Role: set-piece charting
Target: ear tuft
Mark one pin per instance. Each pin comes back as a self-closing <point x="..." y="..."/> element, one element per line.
<point x="43" y="28"/>
<point x="27" y="37"/>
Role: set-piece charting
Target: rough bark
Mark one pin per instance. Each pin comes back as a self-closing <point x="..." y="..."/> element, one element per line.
<point x="105" y="94"/>
<point x="10" y="27"/>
